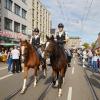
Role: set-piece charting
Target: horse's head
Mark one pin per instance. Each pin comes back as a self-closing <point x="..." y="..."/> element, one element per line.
<point x="50" y="46"/>
<point x="23" y="49"/>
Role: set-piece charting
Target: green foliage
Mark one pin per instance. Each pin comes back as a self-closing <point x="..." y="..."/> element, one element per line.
<point x="93" y="44"/>
<point x="86" y="45"/>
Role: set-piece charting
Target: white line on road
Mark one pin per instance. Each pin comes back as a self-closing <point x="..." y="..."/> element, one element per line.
<point x="69" y="93"/>
<point x="3" y="68"/>
<point x="73" y="70"/>
<point x="1" y="78"/>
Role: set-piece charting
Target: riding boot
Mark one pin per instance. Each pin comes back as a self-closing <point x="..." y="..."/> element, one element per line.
<point x="69" y="65"/>
<point x="41" y="59"/>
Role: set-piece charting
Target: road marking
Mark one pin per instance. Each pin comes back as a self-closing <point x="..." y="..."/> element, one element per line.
<point x="73" y="70"/>
<point x="3" y="68"/>
<point x="1" y="78"/>
<point x="69" y="93"/>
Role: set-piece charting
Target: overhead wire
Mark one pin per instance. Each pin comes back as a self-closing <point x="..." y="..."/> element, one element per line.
<point x="85" y="16"/>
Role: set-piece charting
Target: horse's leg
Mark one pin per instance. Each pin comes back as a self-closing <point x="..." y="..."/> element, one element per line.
<point x="56" y="85"/>
<point x="54" y="77"/>
<point x="65" y="72"/>
<point x="44" y="69"/>
<point x="25" y="78"/>
<point x="61" y="75"/>
<point x="35" y="77"/>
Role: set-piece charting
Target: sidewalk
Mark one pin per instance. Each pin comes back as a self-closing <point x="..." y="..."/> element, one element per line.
<point x="3" y="64"/>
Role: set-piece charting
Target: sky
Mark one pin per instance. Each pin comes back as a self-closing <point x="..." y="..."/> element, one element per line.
<point x="80" y="17"/>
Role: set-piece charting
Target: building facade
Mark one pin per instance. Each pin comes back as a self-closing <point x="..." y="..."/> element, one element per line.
<point x="41" y="18"/>
<point x="14" y="18"/>
<point x="74" y="42"/>
<point x="19" y="17"/>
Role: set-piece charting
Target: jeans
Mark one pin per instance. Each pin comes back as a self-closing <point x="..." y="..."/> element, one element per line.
<point x="90" y="61"/>
<point x="95" y="65"/>
<point x="15" y="65"/>
<point x="10" y="62"/>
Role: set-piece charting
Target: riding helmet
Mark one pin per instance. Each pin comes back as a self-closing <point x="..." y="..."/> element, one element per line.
<point x="60" y="25"/>
<point x="36" y="30"/>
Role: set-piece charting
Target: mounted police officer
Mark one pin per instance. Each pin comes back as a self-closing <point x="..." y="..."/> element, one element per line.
<point x="61" y="35"/>
<point x="61" y="38"/>
<point x="35" y="41"/>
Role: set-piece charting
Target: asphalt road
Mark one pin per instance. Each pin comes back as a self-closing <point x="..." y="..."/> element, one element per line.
<point x="75" y="86"/>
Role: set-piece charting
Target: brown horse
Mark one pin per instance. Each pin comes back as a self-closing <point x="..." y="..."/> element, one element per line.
<point x="30" y="59"/>
<point x="58" y="62"/>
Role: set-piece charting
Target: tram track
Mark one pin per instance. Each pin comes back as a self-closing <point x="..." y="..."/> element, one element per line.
<point x="12" y="94"/>
<point x="41" y="97"/>
<point x="93" y="92"/>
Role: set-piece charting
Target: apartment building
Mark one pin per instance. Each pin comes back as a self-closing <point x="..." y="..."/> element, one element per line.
<point x="19" y="17"/>
<point x="41" y="18"/>
<point x="13" y="19"/>
<point x="74" y="42"/>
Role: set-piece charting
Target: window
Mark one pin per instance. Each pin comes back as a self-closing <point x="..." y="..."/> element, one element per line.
<point x="16" y="27"/>
<point x="8" y="4"/>
<point x="17" y="9"/>
<point x="8" y="24"/>
<point x="23" y="13"/>
<point x="23" y="29"/>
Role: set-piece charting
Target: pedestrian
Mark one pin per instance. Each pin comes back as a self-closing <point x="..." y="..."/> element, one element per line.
<point x="98" y="60"/>
<point x="20" y="67"/>
<point x="9" y="60"/>
<point x="84" y="57"/>
<point x="15" y="57"/>
<point x="94" y="62"/>
<point x="89" y="55"/>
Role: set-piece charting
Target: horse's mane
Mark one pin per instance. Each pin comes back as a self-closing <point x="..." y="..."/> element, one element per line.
<point x="30" y="47"/>
<point x="59" y="50"/>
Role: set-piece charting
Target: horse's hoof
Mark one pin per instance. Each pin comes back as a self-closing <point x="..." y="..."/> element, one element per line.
<point x="60" y="93"/>
<point x="22" y="92"/>
<point x="35" y="85"/>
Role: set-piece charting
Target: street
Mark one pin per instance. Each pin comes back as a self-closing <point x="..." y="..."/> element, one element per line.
<point x="75" y="87"/>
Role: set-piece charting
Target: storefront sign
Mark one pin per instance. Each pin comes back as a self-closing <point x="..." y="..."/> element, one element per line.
<point x="13" y="35"/>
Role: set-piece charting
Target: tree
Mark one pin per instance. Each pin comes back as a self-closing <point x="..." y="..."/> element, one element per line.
<point x="86" y="45"/>
<point x="93" y="45"/>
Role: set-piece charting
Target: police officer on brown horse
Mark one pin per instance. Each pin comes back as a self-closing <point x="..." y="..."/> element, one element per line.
<point x="35" y="41"/>
<point x="61" y="38"/>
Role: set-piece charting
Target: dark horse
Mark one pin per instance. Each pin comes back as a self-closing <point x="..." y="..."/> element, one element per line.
<point x="58" y="62"/>
<point x="30" y="59"/>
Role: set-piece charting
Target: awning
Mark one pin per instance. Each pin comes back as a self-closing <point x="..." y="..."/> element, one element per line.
<point x="9" y="44"/>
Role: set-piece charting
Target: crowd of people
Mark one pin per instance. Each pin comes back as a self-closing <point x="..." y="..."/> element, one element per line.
<point x="92" y="57"/>
<point x="11" y="56"/>
<point x="13" y="60"/>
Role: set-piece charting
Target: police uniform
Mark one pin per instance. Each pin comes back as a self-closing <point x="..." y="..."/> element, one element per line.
<point x="61" y="38"/>
<point x="36" y="41"/>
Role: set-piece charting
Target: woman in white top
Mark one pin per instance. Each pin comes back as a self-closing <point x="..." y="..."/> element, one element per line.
<point x="94" y="62"/>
